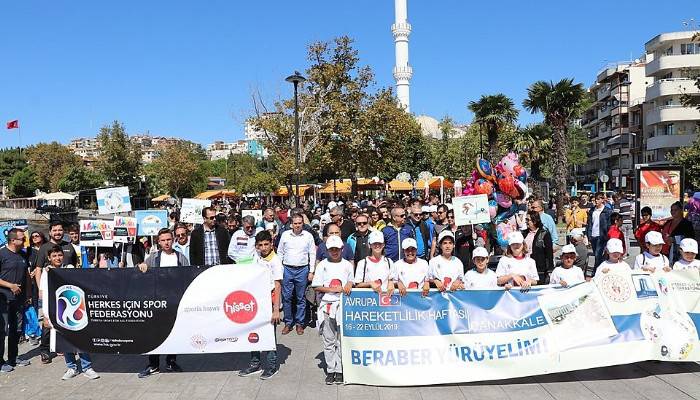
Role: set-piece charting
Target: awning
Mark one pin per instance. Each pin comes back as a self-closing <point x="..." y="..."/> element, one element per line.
<point x="161" y="198"/>
<point x="398" y="186"/>
<point x="283" y="192"/>
<point x="343" y="187"/>
<point x="216" y="194"/>
<point x="433" y="183"/>
<point x="56" y="196"/>
<point x="615" y="140"/>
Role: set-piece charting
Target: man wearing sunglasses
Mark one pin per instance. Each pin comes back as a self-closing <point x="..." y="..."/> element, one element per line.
<point x="182" y="240"/>
<point x="209" y="241"/>
<point x="395" y="233"/>
<point x="358" y="242"/>
<point x="242" y="246"/>
<point x="422" y="230"/>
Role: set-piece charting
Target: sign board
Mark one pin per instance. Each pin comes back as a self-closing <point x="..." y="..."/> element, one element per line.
<point x="113" y="200"/>
<point x="96" y="233"/>
<point x="191" y="211"/>
<point x="604" y="178"/>
<point x="124" y="229"/>
<point x="5" y="227"/>
<point x="658" y="188"/>
<point x="149" y="222"/>
<point x="471" y="209"/>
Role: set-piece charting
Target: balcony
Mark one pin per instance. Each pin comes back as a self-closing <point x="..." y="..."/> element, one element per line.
<point x="604" y="153"/>
<point x="668" y="87"/>
<point x="665" y="63"/>
<point x="669" y="141"/>
<point x="604" y="112"/>
<point x="671" y="113"/>
<point x="603" y="92"/>
<point x="604" y="132"/>
<point x="620" y="130"/>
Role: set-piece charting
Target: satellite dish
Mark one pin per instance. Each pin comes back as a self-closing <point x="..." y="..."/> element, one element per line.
<point x="425" y="175"/>
<point x="403" y="177"/>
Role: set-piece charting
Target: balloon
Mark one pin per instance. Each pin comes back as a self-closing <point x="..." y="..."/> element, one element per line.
<point x="508" y="162"/>
<point x="522" y="189"/>
<point x="485" y="169"/>
<point x="482" y="186"/>
<point x="507" y="185"/>
<point x="503" y="200"/>
<point x="493" y="207"/>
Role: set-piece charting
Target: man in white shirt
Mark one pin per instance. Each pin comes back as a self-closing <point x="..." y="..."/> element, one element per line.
<point x="182" y="240"/>
<point x="297" y="251"/>
<point x="242" y="245"/>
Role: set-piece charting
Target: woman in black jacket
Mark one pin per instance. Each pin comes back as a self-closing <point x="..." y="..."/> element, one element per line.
<point x="539" y="242"/>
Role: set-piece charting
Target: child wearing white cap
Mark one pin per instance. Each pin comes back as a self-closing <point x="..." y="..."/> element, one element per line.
<point x="689" y="249"/>
<point x="481" y="277"/>
<point x="333" y="276"/>
<point x="567" y="274"/>
<point x="652" y="259"/>
<point x="411" y="271"/>
<point x="375" y="271"/>
<point x="515" y="267"/>
<point x="614" y="262"/>
<point x="446" y="271"/>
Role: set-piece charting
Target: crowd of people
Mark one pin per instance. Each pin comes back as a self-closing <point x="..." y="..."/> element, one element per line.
<point x="318" y="251"/>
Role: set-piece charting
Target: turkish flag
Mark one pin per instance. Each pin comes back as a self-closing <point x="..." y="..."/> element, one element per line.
<point x="13" y="124"/>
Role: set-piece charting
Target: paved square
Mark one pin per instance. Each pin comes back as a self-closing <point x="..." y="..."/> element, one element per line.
<point x="301" y="377"/>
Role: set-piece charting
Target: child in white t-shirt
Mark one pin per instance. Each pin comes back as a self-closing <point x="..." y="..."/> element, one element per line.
<point x="446" y="271"/>
<point x="411" y="272"/>
<point x="333" y="276"/>
<point x="652" y="259"/>
<point x="481" y="277"/>
<point x="567" y="274"/>
<point x="515" y="267"/>
<point x="375" y="271"/>
<point x="614" y="262"/>
<point x="689" y="249"/>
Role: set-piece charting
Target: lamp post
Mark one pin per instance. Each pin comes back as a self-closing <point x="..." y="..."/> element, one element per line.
<point x="296" y="79"/>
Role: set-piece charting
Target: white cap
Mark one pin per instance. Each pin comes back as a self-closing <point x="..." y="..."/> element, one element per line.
<point x="654" y="237"/>
<point x="449" y="206"/>
<point x="409" y="242"/>
<point x="332" y="205"/>
<point x="376" y="237"/>
<point x="425" y="209"/>
<point x="614" y="246"/>
<point x="569" y="248"/>
<point x="340" y="203"/>
<point x="446" y="233"/>
<point x="515" y="237"/>
<point x="689" y="245"/>
<point x="433" y="209"/>
<point x="577" y="232"/>
<point x="334" y="242"/>
<point x="480" y="252"/>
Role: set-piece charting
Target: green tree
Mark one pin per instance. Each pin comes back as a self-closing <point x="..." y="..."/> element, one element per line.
<point x="179" y="170"/>
<point x="50" y="163"/>
<point x="23" y="183"/>
<point x="689" y="158"/>
<point x="561" y="104"/>
<point x="80" y="178"/>
<point x="120" y="158"/>
<point x="11" y="161"/>
<point x="494" y="113"/>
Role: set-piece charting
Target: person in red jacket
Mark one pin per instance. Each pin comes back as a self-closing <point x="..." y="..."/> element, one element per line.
<point x="646" y="225"/>
<point x="615" y="231"/>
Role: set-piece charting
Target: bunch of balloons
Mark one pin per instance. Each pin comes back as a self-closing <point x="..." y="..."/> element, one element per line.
<point x="502" y="184"/>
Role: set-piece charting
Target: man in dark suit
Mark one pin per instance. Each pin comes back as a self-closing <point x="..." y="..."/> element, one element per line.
<point x="209" y="242"/>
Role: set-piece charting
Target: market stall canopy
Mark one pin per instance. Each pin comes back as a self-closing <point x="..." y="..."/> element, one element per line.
<point x="398" y="186"/>
<point x="433" y="183"/>
<point x="161" y="198"/>
<point x="342" y="187"/>
<point x="216" y="194"/>
<point x="283" y="192"/>
<point x="56" y="196"/>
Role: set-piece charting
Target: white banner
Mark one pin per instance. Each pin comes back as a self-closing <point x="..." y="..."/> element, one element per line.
<point x="113" y="200"/>
<point x="191" y="211"/>
<point x="471" y="209"/>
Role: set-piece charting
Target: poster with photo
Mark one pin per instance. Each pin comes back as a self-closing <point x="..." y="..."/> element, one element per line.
<point x="149" y="222"/>
<point x="658" y="188"/>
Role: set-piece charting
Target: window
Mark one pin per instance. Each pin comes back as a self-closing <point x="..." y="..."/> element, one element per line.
<point x="668" y="76"/>
<point x="690" y="48"/>
<point x="668" y="129"/>
<point x="669" y="51"/>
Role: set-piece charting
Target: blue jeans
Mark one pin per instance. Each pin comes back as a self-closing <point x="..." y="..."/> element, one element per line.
<point x="85" y="361"/>
<point x="294" y="286"/>
<point x="598" y="246"/>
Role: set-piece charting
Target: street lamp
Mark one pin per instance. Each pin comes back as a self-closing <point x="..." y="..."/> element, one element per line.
<point x="296" y="79"/>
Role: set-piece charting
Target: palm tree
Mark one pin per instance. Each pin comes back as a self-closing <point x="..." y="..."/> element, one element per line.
<point x="534" y="145"/>
<point x="493" y="113"/>
<point x="560" y="104"/>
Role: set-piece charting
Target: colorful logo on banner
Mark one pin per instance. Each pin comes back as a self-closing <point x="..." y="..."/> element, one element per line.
<point x="149" y="222"/>
<point x="96" y="233"/>
<point x="124" y="229"/>
<point x="240" y="307"/>
<point x="471" y="209"/>
<point x="71" y="312"/>
<point x="113" y="200"/>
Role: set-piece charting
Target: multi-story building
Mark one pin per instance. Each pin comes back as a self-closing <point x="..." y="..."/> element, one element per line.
<point x="220" y="150"/>
<point x="89" y="148"/>
<point x="673" y="64"/>
<point x="607" y="123"/>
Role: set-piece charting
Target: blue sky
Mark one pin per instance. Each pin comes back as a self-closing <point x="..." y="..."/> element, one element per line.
<point x="188" y="68"/>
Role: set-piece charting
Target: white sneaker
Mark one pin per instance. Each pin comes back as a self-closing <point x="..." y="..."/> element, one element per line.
<point x="70" y="373"/>
<point x="91" y="374"/>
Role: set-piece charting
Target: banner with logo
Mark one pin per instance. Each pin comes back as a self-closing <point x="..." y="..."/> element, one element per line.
<point x="5" y="227"/>
<point x="96" y="233"/>
<point x="471" y="209"/>
<point x="658" y="188"/>
<point x="149" y="222"/>
<point x="478" y="335"/>
<point x="113" y="200"/>
<point x="191" y="211"/>
<point x="124" y="229"/>
<point x="174" y="310"/>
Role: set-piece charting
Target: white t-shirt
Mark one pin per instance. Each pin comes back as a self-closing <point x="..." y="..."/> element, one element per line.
<point x="446" y="270"/>
<point x="595" y="225"/>
<point x="524" y="266"/>
<point x="571" y="275"/>
<point x="168" y="260"/>
<point x="330" y="274"/>
<point x="649" y="261"/>
<point x="474" y="279"/>
<point x="411" y="275"/>
<point x="613" y="267"/>
<point x="682" y="264"/>
<point x="369" y="271"/>
<point x="273" y="262"/>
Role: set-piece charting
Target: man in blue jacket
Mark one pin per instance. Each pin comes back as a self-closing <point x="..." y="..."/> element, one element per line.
<point x="395" y="233"/>
<point x="597" y="229"/>
<point x="422" y="230"/>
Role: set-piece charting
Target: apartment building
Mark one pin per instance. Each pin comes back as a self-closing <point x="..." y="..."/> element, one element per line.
<point x="89" y="148"/>
<point x="220" y="150"/>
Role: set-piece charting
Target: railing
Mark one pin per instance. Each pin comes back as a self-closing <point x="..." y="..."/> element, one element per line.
<point x="658" y="82"/>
